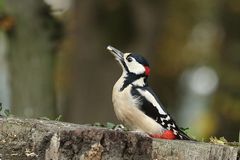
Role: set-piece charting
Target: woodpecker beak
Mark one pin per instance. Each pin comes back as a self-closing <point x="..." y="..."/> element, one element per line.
<point x="118" y="54"/>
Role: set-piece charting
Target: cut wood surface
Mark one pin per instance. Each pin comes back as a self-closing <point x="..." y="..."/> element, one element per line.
<point x="22" y="139"/>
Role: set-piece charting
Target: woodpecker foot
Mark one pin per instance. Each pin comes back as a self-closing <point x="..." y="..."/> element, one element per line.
<point x="168" y="134"/>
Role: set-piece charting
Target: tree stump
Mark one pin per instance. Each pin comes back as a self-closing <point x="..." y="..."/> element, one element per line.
<point x="54" y="140"/>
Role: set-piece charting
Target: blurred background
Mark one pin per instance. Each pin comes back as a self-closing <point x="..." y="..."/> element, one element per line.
<point x="53" y="59"/>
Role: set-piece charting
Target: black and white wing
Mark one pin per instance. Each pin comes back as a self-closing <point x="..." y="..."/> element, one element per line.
<point x="153" y="108"/>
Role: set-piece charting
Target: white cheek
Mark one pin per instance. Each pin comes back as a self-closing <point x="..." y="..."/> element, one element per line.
<point x="136" y="67"/>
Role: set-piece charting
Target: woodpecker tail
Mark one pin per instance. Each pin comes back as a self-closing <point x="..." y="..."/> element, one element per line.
<point x="183" y="136"/>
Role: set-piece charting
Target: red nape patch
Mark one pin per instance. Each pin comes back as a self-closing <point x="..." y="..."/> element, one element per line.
<point x="165" y="135"/>
<point x="147" y="70"/>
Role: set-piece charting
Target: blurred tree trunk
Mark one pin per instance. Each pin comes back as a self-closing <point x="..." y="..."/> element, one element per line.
<point x="31" y="60"/>
<point x="84" y="79"/>
<point x="4" y="72"/>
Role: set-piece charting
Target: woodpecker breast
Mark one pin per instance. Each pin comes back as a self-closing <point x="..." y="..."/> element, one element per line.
<point x="126" y="108"/>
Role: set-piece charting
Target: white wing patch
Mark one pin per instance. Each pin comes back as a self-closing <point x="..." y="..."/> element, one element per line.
<point x="151" y="99"/>
<point x="175" y="132"/>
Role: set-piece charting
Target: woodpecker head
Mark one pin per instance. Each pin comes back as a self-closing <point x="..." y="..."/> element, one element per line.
<point x="131" y="63"/>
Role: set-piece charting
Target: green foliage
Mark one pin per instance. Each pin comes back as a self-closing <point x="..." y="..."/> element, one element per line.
<point x="7" y="112"/>
<point x="4" y="112"/>
<point x="223" y="141"/>
<point x="215" y="140"/>
<point x="184" y="129"/>
<point x="58" y="118"/>
<point x="97" y="124"/>
<point x="110" y="125"/>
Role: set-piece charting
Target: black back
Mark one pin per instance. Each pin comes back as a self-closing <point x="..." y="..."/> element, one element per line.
<point x="163" y="119"/>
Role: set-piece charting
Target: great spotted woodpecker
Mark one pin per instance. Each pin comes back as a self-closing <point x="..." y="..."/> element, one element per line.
<point x="135" y="103"/>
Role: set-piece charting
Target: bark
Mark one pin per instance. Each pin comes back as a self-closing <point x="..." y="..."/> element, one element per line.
<point x="41" y="139"/>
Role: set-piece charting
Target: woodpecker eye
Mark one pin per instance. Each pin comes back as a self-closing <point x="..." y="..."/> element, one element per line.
<point x="129" y="59"/>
